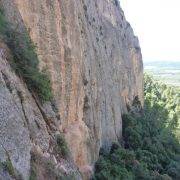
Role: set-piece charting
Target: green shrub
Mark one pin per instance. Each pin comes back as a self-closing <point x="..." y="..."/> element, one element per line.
<point x="42" y="166"/>
<point x="62" y="147"/>
<point x="33" y="175"/>
<point x="151" y="148"/>
<point x="9" y="167"/>
<point x="25" y="60"/>
<point x="2" y="22"/>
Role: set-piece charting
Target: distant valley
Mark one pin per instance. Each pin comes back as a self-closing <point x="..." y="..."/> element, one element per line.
<point x="166" y="71"/>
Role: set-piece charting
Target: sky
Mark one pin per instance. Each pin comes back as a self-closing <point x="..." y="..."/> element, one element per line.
<point x="157" y="25"/>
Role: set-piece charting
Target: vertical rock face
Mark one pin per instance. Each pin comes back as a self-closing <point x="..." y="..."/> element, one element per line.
<point x="95" y="65"/>
<point x="21" y="122"/>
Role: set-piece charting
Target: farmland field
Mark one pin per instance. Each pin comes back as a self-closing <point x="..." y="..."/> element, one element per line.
<point x="167" y="72"/>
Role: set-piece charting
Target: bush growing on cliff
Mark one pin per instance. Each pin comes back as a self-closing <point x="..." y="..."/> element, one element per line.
<point x="25" y="60"/>
<point x="151" y="149"/>
<point x="62" y="147"/>
<point x="2" y="22"/>
<point x="42" y="166"/>
<point x="7" y="167"/>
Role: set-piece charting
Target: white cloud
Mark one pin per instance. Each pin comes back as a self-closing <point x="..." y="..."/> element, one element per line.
<point x="156" y="23"/>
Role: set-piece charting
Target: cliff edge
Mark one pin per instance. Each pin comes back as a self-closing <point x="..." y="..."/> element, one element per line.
<point x="95" y="67"/>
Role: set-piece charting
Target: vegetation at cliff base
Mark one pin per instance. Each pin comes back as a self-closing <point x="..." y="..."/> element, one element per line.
<point x="25" y="60"/>
<point x="150" y="148"/>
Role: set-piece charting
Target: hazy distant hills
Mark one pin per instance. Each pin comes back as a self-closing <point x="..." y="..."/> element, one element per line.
<point x="166" y="71"/>
<point x="163" y="64"/>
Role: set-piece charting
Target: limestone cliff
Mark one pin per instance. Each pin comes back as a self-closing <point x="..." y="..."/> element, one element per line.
<point x="95" y="66"/>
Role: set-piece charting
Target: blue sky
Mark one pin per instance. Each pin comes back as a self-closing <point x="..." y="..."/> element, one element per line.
<point x="157" y="24"/>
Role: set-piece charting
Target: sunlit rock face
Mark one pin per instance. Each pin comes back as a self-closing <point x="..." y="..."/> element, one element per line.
<point x="95" y="66"/>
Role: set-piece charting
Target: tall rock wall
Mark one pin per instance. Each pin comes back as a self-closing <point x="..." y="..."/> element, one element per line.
<point x="95" y="66"/>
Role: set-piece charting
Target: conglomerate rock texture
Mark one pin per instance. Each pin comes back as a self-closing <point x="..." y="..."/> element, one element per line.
<point x="95" y="66"/>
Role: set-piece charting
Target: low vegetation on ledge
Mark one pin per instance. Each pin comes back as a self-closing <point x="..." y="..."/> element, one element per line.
<point x="151" y="148"/>
<point x="25" y="60"/>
